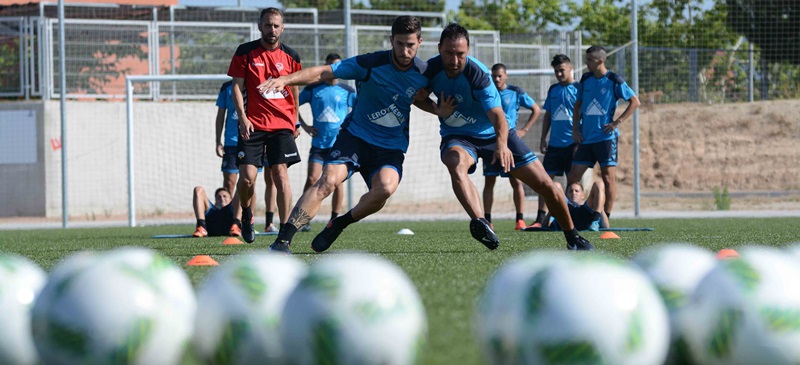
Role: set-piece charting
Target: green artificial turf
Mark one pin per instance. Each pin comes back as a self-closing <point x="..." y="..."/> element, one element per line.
<point x="448" y="267"/>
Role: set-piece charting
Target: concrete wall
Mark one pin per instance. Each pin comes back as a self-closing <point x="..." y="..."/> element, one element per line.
<point x="22" y="186"/>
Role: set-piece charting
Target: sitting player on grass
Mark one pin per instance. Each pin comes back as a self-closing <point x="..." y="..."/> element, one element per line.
<point x="586" y="212"/>
<point x="212" y="219"/>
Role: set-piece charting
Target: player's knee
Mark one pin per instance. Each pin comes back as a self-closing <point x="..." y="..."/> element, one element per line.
<point x="382" y="192"/>
<point x="326" y="184"/>
<point x="558" y="187"/>
<point x="199" y="191"/>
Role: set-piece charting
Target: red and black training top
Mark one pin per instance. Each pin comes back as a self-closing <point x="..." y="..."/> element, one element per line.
<point x="271" y="111"/>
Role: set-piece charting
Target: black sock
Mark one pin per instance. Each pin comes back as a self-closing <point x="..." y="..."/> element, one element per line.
<point x="342" y="222"/>
<point x="540" y="214"/>
<point x="201" y="223"/>
<point x="280" y="225"/>
<point x="519" y="216"/>
<point x="270" y="215"/>
<point x="334" y="215"/>
<point x="247" y="214"/>
<point x="608" y="215"/>
<point x="571" y="234"/>
<point x="237" y="222"/>
<point x="488" y="217"/>
<point x="286" y="233"/>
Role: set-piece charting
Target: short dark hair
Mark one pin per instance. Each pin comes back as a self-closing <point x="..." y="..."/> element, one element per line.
<point x="332" y="56"/>
<point x="270" y="11"/>
<point x="597" y="52"/>
<point x="498" y="67"/>
<point x="454" y="31"/>
<point x="406" y="24"/>
<point x="221" y="189"/>
<point x="560" y="59"/>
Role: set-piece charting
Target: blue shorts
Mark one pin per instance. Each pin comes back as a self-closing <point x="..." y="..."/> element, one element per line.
<point x="558" y="160"/>
<point x="317" y="155"/>
<point x="229" y="164"/>
<point x="363" y="157"/>
<point x="604" y="153"/>
<point x="583" y="217"/>
<point x="485" y="148"/>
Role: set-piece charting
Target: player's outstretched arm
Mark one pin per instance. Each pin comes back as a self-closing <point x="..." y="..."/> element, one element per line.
<point x="302" y="77"/>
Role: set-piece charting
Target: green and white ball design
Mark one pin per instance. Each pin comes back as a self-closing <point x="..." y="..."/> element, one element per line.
<point x="353" y="309"/>
<point x="20" y="283"/>
<point x="747" y="311"/>
<point x="239" y="309"/>
<point x="557" y="308"/>
<point x="127" y="306"/>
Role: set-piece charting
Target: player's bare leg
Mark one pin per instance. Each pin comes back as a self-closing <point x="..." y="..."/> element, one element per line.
<point x="200" y="206"/>
<point x="280" y="179"/>
<point x="313" y="174"/>
<point x="246" y="190"/>
<point x="270" y="193"/>
<point x="488" y="196"/>
<point x="609" y="175"/>
<point x="458" y="162"/>
<point x="518" y="195"/>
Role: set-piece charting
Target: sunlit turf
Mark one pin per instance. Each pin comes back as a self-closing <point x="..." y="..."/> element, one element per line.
<point x="448" y="267"/>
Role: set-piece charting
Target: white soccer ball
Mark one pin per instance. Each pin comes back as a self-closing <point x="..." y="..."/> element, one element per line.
<point x="353" y="309"/>
<point x="747" y="311"/>
<point x="121" y="307"/>
<point x="239" y="309"/>
<point x="675" y="269"/>
<point x="20" y="283"/>
<point x="555" y="308"/>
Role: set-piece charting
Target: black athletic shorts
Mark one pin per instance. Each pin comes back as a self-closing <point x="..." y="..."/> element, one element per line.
<point x="484" y="148"/>
<point x="604" y="153"/>
<point x="318" y="155"/>
<point x="219" y="221"/>
<point x="363" y="157"/>
<point x="558" y="160"/>
<point x="279" y="147"/>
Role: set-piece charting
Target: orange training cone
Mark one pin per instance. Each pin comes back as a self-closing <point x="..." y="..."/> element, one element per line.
<point x="202" y="260"/>
<point x="608" y="235"/>
<point x="727" y="254"/>
<point x="231" y="241"/>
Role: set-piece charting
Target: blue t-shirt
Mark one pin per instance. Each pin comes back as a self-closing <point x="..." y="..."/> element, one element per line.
<point x="512" y="98"/>
<point x="225" y="100"/>
<point x="474" y="93"/>
<point x="560" y="102"/>
<point x="385" y="94"/>
<point x="329" y="106"/>
<point x="599" y="102"/>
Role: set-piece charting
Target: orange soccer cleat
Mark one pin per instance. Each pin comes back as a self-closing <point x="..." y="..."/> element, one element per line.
<point x="235" y="231"/>
<point x="200" y="232"/>
<point x="520" y="225"/>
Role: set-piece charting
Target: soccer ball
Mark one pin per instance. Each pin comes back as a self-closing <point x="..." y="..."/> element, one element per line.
<point x="20" y="285"/>
<point x="239" y="309"/>
<point x="747" y="311"/>
<point x="121" y="307"/>
<point x="353" y="309"/>
<point x="675" y="270"/>
<point x="555" y="308"/>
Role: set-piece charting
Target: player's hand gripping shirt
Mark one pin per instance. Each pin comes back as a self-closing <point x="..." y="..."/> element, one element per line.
<point x="385" y="94"/>
<point x="474" y="93"/>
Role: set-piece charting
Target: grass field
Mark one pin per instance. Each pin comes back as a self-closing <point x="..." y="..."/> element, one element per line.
<point x="448" y="267"/>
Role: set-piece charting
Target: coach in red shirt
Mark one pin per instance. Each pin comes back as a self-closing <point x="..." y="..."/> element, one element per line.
<point x="266" y="121"/>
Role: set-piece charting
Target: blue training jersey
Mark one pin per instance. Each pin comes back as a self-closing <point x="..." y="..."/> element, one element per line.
<point x="560" y="103"/>
<point x="225" y="100"/>
<point x="329" y="106"/>
<point x="474" y="93"/>
<point x="385" y="94"/>
<point x="512" y="97"/>
<point x="599" y="102"/>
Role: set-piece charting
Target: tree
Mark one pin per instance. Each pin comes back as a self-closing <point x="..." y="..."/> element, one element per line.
<point x="409" y="5"/>
<point x="606" y="22"/>
<point x="321" y="5"/>
<point x="770" y="24"/>
<point x="513" y="16"/>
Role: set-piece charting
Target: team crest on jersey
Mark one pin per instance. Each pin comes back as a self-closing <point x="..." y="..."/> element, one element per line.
<point x="395" y="97"/>
<point x="603" y="91"/>
<point x="240" y="155"/>
<point x="410" y="92"/>
<point x="459" y="98"/>
<point x="279" y="66"/>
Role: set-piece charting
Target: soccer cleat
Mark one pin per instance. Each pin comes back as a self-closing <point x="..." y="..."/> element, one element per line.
<point x="305" y="228"/>
<point x="281" y="246"/>
<point x="579" y="243"/>
<point x="270" y="228"/>
<point x="235" y="231"/>
<point x="520" y="225"/>
<point x="535" y="225"/>
<point x="325" y="239"/>
<point x="200" y="232"/>
<point x="248" y="228"/>
<point x="482" y="231"/>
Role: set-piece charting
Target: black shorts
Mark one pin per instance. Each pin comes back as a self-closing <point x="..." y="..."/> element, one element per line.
<point x="583" y="217"/>
<point x="485" y="148"/>
<point x="604" y="153"/>
<point x="363" y="157"/>
<point x="558" y="160"/>
<point x="229" y="163"/>
<point x="219" y="221"/>
<point x="318" y="155"/>
<point x="279" y="147"/>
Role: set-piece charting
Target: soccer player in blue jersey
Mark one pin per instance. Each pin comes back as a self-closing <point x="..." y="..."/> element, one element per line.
<point x="330" y="102"/>
<point x="374" y="137"/>
<point x="512" y="98"/>
<point x="593" y="125"/>
<point x="473" y="125"/>
<point x="557" y="121"/>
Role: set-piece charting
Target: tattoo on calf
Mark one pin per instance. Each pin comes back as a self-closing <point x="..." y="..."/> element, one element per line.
<point x="299" y="218"/>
